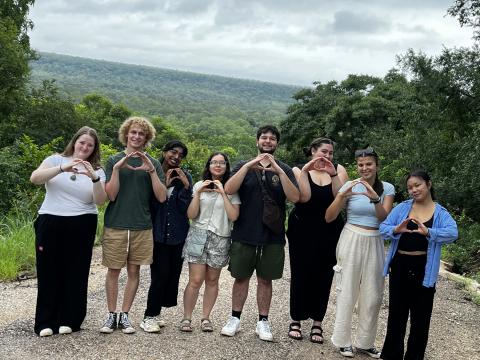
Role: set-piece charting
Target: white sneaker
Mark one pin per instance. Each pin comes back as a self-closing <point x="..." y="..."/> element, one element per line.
<point x="231" y="327"/>
<point x="263" y="330"/>
<point x="150" y="324"/>
<point x="46" y="332"/>
<point x="63" y="330"/>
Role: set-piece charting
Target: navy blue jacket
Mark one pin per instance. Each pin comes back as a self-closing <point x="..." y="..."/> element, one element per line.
<point x="169" y="219"/>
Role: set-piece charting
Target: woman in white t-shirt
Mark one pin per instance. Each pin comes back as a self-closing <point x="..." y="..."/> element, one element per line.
<point x="65" y="232"/>
<point x="360" y="255"/>
<point x="206" y="249"/>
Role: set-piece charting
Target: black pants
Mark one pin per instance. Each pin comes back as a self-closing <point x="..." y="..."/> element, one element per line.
<point x="63" y="252"/>
<point x="408" y="296"/>
<point x="311" y="267"/>
<point x="165" y="275"/>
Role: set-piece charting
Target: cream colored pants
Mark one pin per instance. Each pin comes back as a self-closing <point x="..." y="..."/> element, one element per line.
<point x="358" y="278"/>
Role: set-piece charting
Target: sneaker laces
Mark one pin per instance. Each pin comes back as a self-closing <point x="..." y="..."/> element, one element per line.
<point x="264" y="326"/>
<point x="124" y="321"/>
<point x="110" y="320"/>
<point x="232" y="322"/>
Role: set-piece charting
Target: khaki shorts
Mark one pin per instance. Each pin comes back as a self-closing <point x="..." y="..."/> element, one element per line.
<point x="266" y="260"/>
<point x="120" y="246"/>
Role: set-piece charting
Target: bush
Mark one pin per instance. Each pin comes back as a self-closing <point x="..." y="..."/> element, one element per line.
<point x="464" y="254"/>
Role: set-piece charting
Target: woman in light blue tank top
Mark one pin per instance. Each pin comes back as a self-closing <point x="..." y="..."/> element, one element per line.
<point x="360" y="255"/>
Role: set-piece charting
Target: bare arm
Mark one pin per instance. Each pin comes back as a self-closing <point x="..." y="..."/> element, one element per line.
<point x="335" y="207"/>
<point x="303" y="184"/>
<point x="232" y="210"/>
<point x="383" y="209"/>
<point x="339" y="180"/>
<point x="46" y="172"/>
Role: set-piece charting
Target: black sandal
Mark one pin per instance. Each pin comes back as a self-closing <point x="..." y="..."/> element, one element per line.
<point x="295" y="327"/>
<point x="314" y="334"/>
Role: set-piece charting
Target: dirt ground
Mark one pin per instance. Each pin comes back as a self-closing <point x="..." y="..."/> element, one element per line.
<point x="454" y="331"/>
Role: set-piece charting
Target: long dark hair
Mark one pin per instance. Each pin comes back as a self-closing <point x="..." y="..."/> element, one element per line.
<point x="423" y="175"/>
<point x="94" y="158"/>
<point x="315" y="144"/>
<point x="207" y="175"/>
<point x="377" y="185"/>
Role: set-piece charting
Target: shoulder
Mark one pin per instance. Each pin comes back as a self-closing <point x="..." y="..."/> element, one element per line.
<point x="54" y="159"/>
<point x="388" y="188"/>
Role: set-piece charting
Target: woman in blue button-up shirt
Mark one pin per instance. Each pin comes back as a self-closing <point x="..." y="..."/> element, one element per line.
<point x="170" y="228"/>
<point x="417" y="229"/>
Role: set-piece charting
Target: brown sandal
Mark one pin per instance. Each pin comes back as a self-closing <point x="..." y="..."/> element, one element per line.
<point x="186" y="325"/>
<point x="206" y="325"/>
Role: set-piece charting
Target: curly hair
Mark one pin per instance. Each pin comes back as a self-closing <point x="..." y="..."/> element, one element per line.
<point x="141" y="122"/>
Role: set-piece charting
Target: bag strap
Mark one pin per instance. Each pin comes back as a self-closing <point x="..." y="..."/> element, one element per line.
<point x="265" y="190"/>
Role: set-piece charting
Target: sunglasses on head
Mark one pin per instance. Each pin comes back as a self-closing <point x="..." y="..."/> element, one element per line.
<point x="365" y="152"/>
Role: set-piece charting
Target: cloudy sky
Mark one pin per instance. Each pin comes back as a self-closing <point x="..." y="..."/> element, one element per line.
<point x="283" y="41"/>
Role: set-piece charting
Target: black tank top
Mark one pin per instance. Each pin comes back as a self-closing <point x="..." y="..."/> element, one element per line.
<point x="414" y="241"/>
<point x="320" y="200"/>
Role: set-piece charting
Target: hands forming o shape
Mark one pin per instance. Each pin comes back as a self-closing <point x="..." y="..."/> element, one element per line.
<point x="145" y="166"/>
<point x="320" y="164"/>
<point x="264" y="162"/>
<point x="403" y="227"/>
<point x="369" y="192"/>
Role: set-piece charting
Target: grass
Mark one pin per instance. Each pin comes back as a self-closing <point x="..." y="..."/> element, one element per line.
<point x="17" y="244"/>
<point x="17" y="247"/>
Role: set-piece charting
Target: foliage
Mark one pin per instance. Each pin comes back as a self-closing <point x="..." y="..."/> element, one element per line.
<point x="17" y="248"/>
<point x="468" y="14"/>
<point x="160" y="92"/>
<point x="464" y="254"/>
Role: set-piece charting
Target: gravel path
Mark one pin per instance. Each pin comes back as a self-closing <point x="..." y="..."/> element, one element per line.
<point x="454" y="332"/>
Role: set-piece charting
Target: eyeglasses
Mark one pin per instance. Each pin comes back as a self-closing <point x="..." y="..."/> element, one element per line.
<point x="218" y="163"/>
<point x="365" y="152"/>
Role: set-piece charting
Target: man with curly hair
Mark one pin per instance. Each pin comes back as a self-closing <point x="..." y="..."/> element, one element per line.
<point x="132" y="178"/>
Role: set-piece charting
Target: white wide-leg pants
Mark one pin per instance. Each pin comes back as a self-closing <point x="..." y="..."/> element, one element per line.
<point x="358" y="276"/>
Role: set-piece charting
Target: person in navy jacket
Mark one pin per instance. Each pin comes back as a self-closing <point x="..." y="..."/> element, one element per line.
<point x="417" y="229"/>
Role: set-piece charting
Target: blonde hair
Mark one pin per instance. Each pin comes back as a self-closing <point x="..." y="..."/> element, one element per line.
<point x="141" y="122"/>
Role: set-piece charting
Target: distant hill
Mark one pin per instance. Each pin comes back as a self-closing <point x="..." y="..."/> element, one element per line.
<point x="154" y="91"/>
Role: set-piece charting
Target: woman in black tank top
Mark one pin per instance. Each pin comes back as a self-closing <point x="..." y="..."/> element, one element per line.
<point x="312" y="242"/>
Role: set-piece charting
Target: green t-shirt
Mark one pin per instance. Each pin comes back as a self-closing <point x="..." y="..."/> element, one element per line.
<point x="131" y="208"/>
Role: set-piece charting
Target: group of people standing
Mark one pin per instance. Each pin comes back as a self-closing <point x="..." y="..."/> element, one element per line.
<point x="156" y="217"/>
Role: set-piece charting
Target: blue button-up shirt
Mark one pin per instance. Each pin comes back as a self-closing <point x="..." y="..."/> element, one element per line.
<point x="170" y="221"/>
<point x="443" y="231"/>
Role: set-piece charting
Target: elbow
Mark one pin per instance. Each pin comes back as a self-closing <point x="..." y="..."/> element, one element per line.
<point x="329" y="218"/>
<point x="234" y="216"/>
<point x="34" y="179"/>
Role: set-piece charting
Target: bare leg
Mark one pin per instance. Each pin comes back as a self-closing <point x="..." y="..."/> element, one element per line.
<point x="239" y="293"/>
<point x="264" y="295"/>
<point x="111" y="287"/>
<point x="211" y="290"/>
<point x="195" y="281"/>
<point x="133" y="278"/>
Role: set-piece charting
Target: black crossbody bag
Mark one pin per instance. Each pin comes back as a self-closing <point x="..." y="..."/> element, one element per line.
<point x="272" y="214"/>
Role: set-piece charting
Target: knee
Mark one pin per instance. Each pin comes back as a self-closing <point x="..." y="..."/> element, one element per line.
<point x="113" y="273"/>
<point x="264" y="282"/>
<point x="195" y="282"/>
<point x="133" y="271"/>
<point x="211" y="282"/>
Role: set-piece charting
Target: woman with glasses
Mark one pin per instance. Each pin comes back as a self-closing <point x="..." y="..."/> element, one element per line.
<point x="417" y="229"/>
<point x="206" y="249"/>
<point x="170" y="228"/>
<point x="360" y="255"/>
<point x="312" y="241"/>
<point x="65" y="232"/>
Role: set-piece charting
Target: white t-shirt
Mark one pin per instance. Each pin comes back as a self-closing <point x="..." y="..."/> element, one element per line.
<point x="67" y="197"/>
<point x="360" y="211"/>
<point x="212" y="215"/>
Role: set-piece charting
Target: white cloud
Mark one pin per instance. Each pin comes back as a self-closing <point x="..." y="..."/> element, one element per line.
<point x="285" y="41"/>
